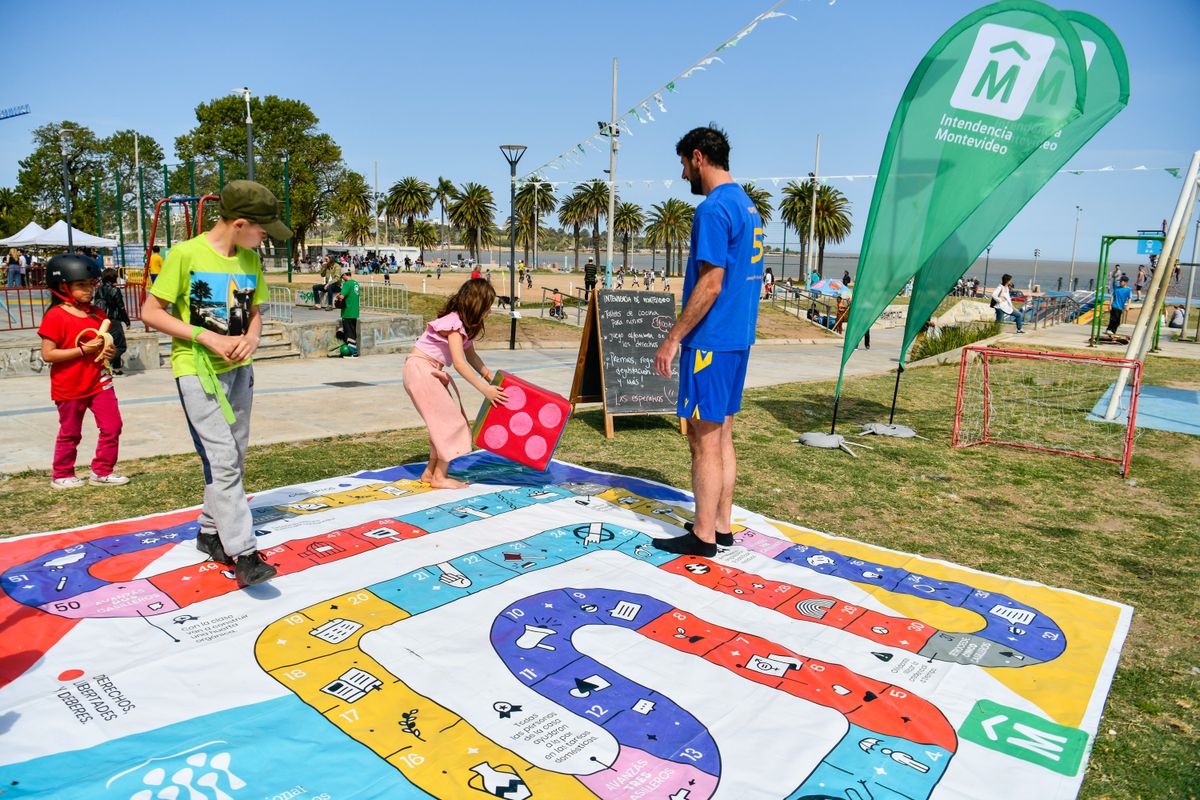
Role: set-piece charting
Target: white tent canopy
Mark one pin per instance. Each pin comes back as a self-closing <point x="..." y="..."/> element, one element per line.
<point x="24" y="237"/>
<point x="56" y="236"/>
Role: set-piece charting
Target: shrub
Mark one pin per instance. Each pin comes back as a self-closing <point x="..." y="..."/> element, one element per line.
<point x="951" y="338"/>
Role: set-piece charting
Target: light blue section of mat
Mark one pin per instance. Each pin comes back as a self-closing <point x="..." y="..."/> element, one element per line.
<point x="1159" y="408"/>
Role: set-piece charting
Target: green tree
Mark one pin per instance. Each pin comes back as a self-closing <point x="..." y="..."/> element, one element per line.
<point x="534" y="198"/>
<point x="282" y="127"/>
<point x="795" y="209"/>
<point x="443" y="192"/>
<point x="832" y="223"/>
<point x="15" y="212"/>
<point x="628" y="221"/>
<point x="762" y="201"/>
<point x="424" y="235"/>
<point x="406" y="200"/>
<point x="39" y="177"/>
<point x="670" y="224"/>
<point x="473" y="212"/>
<point x="357" y="228"/>
<point x="593" y="199"/>
<point x="572" y="214"/>
<point x="351" y="207"/>
<point x="121" y="180"/>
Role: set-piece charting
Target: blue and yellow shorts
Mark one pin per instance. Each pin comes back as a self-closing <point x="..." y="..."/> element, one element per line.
<point x="711" y="382"/>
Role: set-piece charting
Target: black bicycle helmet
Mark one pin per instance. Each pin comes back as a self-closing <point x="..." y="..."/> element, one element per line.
<point x="66" y="267"/>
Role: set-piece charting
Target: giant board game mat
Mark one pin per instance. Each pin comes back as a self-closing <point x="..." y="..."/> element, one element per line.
<point x="521" y="639"/>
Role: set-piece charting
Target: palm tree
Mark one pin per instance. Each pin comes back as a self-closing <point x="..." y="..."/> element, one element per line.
<point x="628" y="221"/>
<point x="407" y="199"/>
<point x="424" y="235"/>
<point x="832" y="223"/>
<point x="670" y="224"/>
<point x="593" y="199"/>
<point x="762" y="201"/>
<point x="443" y="192"/>
<point x="474" y="212"/>
<point x="534" y="198"/>
<point x="686" y="212"/>
<point x="356" y="228"/>
<point x="352" y="196"/>
<point x="571" y="213"/>
<point x="795" y="210"/>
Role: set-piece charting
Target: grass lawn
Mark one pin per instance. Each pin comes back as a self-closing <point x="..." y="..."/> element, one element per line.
<point x="1063" y="521"/>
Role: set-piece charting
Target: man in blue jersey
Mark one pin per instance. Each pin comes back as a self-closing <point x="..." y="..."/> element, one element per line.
<point x="714" y="333"/>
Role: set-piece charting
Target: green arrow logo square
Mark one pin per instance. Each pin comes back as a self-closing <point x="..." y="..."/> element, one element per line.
<point x="1025" y="736"/>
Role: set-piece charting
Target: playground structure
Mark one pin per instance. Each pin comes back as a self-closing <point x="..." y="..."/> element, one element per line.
<point x="1104" y="286"/>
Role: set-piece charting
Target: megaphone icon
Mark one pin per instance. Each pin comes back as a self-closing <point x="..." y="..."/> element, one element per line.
<point x="532" y="637"/>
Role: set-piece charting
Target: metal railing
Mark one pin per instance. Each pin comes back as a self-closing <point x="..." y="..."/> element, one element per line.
<point x="279" y="303"/>
<point x="383" y="297"/>
<point x="23" y="307"/>
<point x="799" y="301"/>
<point x="578" y="303"/>
<point x="1046" y="310"/>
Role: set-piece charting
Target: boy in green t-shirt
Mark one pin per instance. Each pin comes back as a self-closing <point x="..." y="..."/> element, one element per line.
<point x="348" y="301"/>
<point x="216" y="284"/>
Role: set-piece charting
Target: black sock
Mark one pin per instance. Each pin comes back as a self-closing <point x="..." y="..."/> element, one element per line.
<point x="687" y="545"/>
<point x="723" y="539"/>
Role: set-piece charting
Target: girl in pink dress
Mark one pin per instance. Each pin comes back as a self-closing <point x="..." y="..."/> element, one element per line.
<point x="448" y="340"/>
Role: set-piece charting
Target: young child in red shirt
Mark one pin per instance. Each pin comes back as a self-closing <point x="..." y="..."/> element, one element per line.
<point x="79" y="381"/>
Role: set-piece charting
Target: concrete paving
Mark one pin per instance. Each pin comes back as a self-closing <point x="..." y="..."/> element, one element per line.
<point x="296" y="400"/>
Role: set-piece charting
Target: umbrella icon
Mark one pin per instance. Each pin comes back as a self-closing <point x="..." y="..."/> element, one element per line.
<point x="832" y="287"/>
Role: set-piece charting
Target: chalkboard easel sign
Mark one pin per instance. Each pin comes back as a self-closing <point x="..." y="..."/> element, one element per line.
<point x="621" y="334"/>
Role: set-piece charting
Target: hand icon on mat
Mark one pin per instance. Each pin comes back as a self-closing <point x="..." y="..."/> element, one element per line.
<point x="452" y="577"/>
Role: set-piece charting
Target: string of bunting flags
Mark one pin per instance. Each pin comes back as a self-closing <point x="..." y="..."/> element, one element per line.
<point x="775" y="180"/>
<point x="642" y="110"/>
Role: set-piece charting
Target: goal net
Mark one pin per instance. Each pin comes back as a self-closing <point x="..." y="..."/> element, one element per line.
<point x="1045" y="401"/>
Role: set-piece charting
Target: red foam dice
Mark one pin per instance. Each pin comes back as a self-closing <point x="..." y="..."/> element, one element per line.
<point x="528" y="427"/>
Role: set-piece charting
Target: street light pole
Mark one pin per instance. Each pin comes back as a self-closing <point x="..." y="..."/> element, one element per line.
<point x="987" y="262"/>
<point x="245" y="92"/>
<point x="1036" y="255"/>
<point x="66" y="182"/>
<point x="1074" y="241"/>
<point x="613" y="145"/>
<point x="512" y="154"/>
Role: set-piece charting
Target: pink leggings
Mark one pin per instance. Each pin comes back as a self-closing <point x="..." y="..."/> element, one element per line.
<point x="70" y="428"/>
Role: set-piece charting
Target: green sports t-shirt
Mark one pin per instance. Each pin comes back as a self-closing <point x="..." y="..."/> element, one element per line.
<point x="350" y="292"/>
<point x="210" y="291"/>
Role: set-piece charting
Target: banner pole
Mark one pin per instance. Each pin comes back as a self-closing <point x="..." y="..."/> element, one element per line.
<point x="895" y="394"/>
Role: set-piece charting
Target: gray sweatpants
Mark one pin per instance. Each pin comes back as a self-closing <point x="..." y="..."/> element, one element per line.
<point x="222" y="451"/>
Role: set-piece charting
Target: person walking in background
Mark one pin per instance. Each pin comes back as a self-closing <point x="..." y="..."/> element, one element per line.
<point x="589" y="278"/>
<point x="1120" y="300"/>
<point x="1140" y="283"/>
<point x="109" y="299"/>
<point x="768" y="283"/>
<point x="847" y="281"/>
<point x="155" y="265"/>
<point x="1002" y="303"/>
<point x="13" y="268"/>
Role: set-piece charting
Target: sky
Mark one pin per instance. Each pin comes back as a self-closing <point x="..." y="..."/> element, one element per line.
<point x="432" y="89"/>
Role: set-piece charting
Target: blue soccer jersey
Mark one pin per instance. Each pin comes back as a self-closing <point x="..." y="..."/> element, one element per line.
<point x="727" y="232"/>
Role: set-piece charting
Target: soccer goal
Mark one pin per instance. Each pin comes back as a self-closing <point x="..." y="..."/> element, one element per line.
<point x="1045" y="401"/>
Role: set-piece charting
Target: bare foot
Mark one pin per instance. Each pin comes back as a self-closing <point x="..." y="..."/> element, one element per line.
<point x="446" y="483"/>
<point x="426" y="477"/>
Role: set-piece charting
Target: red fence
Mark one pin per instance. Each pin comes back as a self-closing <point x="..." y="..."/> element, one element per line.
<point x="22" y="308"/>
